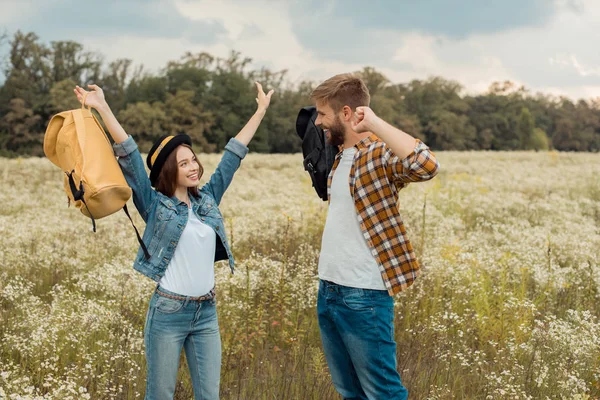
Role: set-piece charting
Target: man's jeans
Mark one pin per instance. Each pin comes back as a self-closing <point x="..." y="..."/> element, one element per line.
<point x="357" y="331"/>
<point x="175" y="324"/>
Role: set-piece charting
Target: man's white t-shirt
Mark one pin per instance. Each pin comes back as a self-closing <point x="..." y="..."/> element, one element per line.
<point x="345" y="257"/>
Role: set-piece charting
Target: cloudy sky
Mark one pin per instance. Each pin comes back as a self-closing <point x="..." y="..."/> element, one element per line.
<point x="546" y="45"/>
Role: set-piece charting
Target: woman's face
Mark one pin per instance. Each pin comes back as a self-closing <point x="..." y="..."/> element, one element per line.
<point x="188" y="168"/>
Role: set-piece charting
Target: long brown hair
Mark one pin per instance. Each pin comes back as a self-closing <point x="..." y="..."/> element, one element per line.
<point x="167" y="178"/>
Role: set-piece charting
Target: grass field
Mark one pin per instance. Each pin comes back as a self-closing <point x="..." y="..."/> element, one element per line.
<point x="507" y="306"/>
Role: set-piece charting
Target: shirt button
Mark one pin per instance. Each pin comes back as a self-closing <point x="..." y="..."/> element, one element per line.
<point x="217" y="228"/>
<point x="209" y="206"/>
<point x="173" y="243"/>
<point x="203" y="219"/>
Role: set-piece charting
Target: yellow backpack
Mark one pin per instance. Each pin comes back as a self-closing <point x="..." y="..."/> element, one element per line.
<point x="76" y="143"/>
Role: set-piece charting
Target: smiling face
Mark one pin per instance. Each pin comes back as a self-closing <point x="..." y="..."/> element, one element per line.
<point x="181" y="169"/>
<point x="336" y="100"/>
<point x="188" y="168"/>
<point x="331" y="123"/>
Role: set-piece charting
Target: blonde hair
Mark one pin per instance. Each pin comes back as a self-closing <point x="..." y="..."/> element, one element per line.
<point x="342" y="90"/>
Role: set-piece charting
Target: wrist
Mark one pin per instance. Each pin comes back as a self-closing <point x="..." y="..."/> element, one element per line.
<point x="376" y="125"/>
<point x="103" y="108"/>
<point x="260" y="112"/>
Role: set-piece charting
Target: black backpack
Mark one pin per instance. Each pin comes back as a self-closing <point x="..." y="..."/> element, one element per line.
<point x="318" y="155"/>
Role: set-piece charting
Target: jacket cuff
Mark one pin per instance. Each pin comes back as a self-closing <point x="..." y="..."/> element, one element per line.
<point x="237" y="148"/>
<point x="126" y="147"/>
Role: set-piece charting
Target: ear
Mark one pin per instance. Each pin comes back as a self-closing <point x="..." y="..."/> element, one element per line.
<point x="347" y="113"/>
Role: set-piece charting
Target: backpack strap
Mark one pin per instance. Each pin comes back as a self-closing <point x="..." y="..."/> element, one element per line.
<point x="80" y="130"/>
<point x="139" y="238"/>
<point x="78" y="195"/>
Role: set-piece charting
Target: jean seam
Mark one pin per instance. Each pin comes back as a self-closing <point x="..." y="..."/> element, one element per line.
<point x="197" y="371"/>
<point x="381" y="366"/>
<point x="147" y="337"/>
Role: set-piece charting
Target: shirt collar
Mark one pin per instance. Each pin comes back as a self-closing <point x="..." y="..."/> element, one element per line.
<point x="363" y="144"/>
<point x="366" y="142"/>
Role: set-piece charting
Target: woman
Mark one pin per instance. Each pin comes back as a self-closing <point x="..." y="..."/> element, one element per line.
<point x="184" y="236"/>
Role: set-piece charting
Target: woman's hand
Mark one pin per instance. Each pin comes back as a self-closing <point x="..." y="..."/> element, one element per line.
<point x="95" y="97"/>
<point x="263" y="100"/>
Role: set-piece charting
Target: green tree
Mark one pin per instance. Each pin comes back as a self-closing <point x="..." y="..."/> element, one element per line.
<point x="230" y="99"/>
<point x="375" y="81"/>
<point x="62" y="97"/>
<point x="525" y="130"/>
<point x="185" y="116"/>
<point x="147" y="89"/>
<point x="28" y="73"/>
<point x="540" y="140"/>
<point x="21" y="126"/>
<point x="211" y="99"/>
<point x="448" y="131"/>
<point x="192" y="72"/>
<point x="114" y="82"/>
<point x="68" y="60"/>
<point x="146" y="122"/>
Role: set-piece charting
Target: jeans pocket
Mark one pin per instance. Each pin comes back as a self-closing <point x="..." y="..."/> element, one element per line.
<point x="165" y="305"/>
<point x="358" y="302"/>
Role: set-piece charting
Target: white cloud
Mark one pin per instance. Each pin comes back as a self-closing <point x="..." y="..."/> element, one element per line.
<point x="16" y="10"/>
<point x="559" y="57"/>
<point x="261" y="30"/>
<point x="429" y="55"/>
<point x="275" y="46"/>
<point x="571" y="61"/>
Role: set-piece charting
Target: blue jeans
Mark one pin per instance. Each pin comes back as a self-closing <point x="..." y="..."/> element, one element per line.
<point x="357" y="331"/>
<point x="175" y="324"/>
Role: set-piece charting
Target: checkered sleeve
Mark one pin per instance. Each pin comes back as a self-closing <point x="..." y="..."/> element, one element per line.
<point x="420" y="165"/>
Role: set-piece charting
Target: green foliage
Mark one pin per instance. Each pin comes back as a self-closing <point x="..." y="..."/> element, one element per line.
<point x="61" y="96"/>
<point x="211" y="98"/>
<point x="540" y="140"/>
<point x="525" y="129"/>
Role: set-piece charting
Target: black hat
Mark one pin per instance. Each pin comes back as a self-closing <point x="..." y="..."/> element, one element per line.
<point x="160" y="151"/>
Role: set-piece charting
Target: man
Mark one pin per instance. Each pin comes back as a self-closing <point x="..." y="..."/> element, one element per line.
<point x="366" y="256"/>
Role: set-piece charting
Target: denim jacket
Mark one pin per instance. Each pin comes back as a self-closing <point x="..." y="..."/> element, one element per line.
<point x="166" y="217"/>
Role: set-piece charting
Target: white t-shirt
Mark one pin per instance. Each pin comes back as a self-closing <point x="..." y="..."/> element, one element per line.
<point x="191" y="271"/>
<point x="345" y="256"/>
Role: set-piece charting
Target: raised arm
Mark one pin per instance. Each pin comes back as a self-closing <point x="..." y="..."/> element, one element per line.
<point x="408" y="159"/>
<point x="263" y="100"/>
<point x="237" y="148"/>
<point x="400" y="142"/>
<point x="130" y="159"/>
<point x="95" y="99"/>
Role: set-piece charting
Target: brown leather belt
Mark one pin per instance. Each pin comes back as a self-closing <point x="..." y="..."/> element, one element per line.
<point x="209" y="296"/>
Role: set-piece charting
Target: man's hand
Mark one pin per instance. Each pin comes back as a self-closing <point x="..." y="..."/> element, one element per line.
<point x="364" y="120"/>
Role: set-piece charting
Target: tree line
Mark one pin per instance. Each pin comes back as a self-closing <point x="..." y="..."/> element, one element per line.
<point x="210" y="98"/>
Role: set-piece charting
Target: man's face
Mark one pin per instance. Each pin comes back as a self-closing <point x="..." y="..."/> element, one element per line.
<point x="332" y="125"/>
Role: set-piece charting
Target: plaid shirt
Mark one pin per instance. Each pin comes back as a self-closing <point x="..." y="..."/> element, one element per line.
<point x="376" y="177"/>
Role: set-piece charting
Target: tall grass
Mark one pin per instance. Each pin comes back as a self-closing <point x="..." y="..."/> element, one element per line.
<point x="506" y="307"/>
